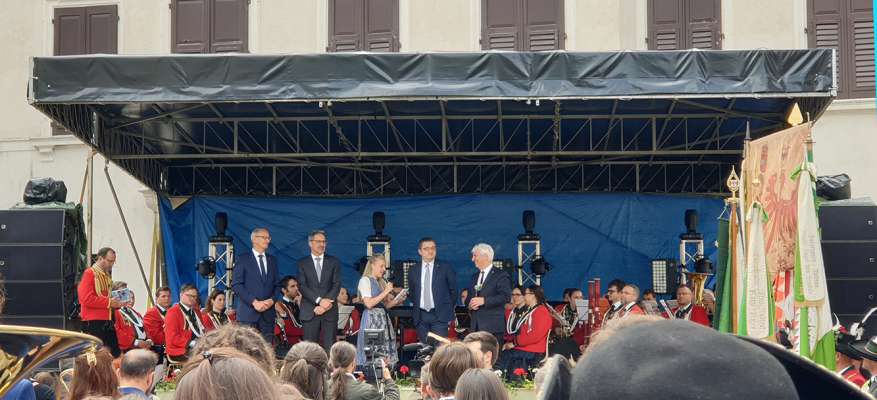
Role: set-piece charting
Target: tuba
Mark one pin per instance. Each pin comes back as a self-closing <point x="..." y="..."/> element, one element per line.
<point x="26" y="348"/>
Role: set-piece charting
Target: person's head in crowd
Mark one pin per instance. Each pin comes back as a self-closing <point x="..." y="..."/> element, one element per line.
<point x="216" y="301"/>
<point x="189" y="296"/>
<point x="243" y="338"/>
<point x="845" y="355"/>
<point x="446" y="366"/>
<point x="136" y="369"/>
<point x="534" y="295"/>
<point x="684" y="295"/>
<point x="485" y="347"/>
<point x="342" y="360"/>
<point x="426" y="248"/>
<point x="45" y="386"/>
<point x="482" y="256"/>
<point x="630" y="293"/>
<point x="225" y="373"/>
<point x="375" y="268"/>
<point x="613" y="291"/>
<point x="630" y="363"/>
<point x="518" y="296"/>
<point x="261" y="239"/>
<point x="480" y="384"/>
<point x="306" y="366"/>
<point x="867" y="349"/>
<point x="426" y="392"/>
<point x="163" y="297"/>
<point x="289" y="287"/>
<point x="649" y="295"/>
<point x="317" y="242"/>
<point x="574" y="294"/>
<point x="709" y="301"/>
<point x="45" y="378"/>
<point x="106" y="259"/>
<point x="463" y="294"/>
<point x="343" y="296"/>
<point x="93" y="375"/>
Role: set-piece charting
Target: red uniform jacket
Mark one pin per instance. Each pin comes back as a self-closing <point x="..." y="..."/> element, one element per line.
<point x="292" y="329"/>
<point x="579" y="331"/>
<point x="352" y="327"/>
<point x="696" y="314"/>
<point x="635" y="310"/>
<point x="125" y="331"/>
<point x="206" y="320"/>
<point x="154" y="322"/>
<point x="508" y="314"/>
<point x="94" y="306"/>
<point x="851" y="374"/>
<point x="177" y="332"/>
<point x="533" y="335"/>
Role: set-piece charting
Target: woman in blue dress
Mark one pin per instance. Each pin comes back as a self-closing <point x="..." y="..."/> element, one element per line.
<point x="376" y="294"/>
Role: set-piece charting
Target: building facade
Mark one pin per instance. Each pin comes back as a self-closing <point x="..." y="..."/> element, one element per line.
<point x="845" y="136"/>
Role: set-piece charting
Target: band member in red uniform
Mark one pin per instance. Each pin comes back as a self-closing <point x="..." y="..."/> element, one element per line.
<point x="514" y="314"/>
<point x="531" y="340"/>
<point x="569" y="312"/>
<point x="96" y="304"/>
<point x="848" y="360"/>
<point x="630" y="296"/>
<point x="288" y="329"/>
<point x="215" y="312"/>
<point x="351" y="327"/>
<point x="130" y="329"/>
<point x="613" y="294"/>
<point x="184" y="325"/>
<point x="686" y="309"/>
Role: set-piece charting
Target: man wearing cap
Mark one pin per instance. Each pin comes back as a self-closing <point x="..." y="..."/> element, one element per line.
<point x="868" y="351"/>
<point x="848" y="359"/>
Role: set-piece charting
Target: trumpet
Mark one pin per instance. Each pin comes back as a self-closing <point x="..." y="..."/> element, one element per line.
<point x="26" y="348"/>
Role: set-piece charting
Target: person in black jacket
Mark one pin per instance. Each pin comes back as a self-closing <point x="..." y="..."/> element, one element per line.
<point x="319" y="281"/>
<point x="489" y="291"/>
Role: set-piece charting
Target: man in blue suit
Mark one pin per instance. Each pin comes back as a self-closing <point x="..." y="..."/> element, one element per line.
<point x="433" y="287"/>
<point x="490" y="290"/>
<point x="254" y="281"/>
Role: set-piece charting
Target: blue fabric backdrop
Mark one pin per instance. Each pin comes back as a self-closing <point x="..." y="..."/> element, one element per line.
<point x="583" y="235"/>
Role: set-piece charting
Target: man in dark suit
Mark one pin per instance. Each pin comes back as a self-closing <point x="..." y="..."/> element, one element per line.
<point x="433" y="292"/>
<point x="319" y="281"/>
<point x="489" y="292"/>
<point x="254" y="281"/>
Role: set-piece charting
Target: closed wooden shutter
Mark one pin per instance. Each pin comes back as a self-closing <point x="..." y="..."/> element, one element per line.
<point x="101" y="30"/>
<point x="69" y="31"/>
<point x="501" y="24"/>
<point x="228" y="26"/>
<point x="684" y="24"/>
<point x="190" y="26"/>
<point x="845" y="25"/>
<point x="382" y="25"/>
<point x="543" y="25"/>
<point x="346" y="18"/>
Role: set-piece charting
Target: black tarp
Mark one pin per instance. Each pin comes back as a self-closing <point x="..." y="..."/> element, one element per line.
<point x="483" y="75"/>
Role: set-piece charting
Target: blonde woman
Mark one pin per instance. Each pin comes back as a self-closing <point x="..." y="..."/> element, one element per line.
<point x="376" y="294"/>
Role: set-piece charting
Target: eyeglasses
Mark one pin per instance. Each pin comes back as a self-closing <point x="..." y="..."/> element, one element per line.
<point x="318" y="241"/>
<point x="264" y="237"/>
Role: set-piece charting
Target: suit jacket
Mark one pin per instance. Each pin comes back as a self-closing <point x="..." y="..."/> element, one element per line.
<point x="177" y="331"/>
<point x="154" y="321"/>
<point x="444" y="290"/>
<point x="497" y="291"/>
<point x="326" y="287"/>
<point x="248" y="284"/>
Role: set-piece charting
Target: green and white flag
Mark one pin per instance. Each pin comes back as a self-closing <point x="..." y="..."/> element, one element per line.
<point x="757" y="310"/>
<point x="816" y="339"/>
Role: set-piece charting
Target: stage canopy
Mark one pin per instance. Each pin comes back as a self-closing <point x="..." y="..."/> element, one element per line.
<point x="367" y="124"/>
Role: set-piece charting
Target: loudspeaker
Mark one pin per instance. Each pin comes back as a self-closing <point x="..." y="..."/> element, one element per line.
<point x="852" y="297"/>
<point x="848" y="222"/>
<point x="850" y="259"/>
<point x="37" y="260"/>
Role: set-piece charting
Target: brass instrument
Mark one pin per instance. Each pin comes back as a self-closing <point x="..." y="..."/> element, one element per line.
<point x="25" y="348"/>
<point x="565" y="327"/>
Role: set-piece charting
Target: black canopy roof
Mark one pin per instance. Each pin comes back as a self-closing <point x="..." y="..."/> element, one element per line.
<point x="353" y="124"/>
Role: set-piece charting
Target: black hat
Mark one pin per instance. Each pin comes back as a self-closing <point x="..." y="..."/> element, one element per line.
<point x="844" y="345"/>
<point x="866" y="348"/>
<point x="676" y="359"/>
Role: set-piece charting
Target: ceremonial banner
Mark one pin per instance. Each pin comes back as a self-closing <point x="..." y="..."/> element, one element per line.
<point x="757" y="307"/>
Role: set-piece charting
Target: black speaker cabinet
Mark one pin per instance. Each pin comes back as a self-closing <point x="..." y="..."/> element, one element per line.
<point x="845" y="221"/>
<point x="34" y="260"/>
<point x="852" y="297"/>
<point x="850" y="259"/>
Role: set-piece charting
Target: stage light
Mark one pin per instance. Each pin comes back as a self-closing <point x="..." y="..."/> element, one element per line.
<point x="206" y="267"/>
<point x="220" y="223"/>
<point x="664" y="276"/>
<point x="529" y="221"/>
<point x="691" y="226"/>
<point x="539" y="266"/>
<point x="504" y="264"/>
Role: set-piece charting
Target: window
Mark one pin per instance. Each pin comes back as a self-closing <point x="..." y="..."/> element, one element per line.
<point x="363" y="25"/>
<point x="209" y="26"/>
<point x="848" y="26"/>
<point x="522" y="25"/>
<point x="86" y="30"/>
<point x="685" y="24"/>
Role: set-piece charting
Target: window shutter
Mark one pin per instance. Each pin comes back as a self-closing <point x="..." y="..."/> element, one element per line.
<point x="501" y="22"/>
<point x="228" y="25"/>
<point x="345" y="25"/>
<point x="860" y="31"/>
<point x="102" y="29"/>
<point x="704" y="24"/>
<point x="70" y="31"/>
<point x="543" y="25"/>
<point x="190" y="27"/>
<point x="381" y="25"/>
<point x="666" y="25"/>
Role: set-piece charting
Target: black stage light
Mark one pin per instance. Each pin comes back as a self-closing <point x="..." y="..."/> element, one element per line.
<point x="703" y="266"/>
<point x="691" y="226"/>
<point x="529" y="221"/>
<point x="664" y="276"/>
<point x="206" y="267"/>
<point x="378" y="222"/>
<point x="539" y="266"/>
<point x="220" y="223"/>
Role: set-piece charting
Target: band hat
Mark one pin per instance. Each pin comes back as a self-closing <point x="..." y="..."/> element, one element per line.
<point x="866" y="348"/>
<point x="844" y="345"/>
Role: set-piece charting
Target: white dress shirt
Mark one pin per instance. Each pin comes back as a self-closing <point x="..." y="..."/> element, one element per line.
<point x="423" y="288"/>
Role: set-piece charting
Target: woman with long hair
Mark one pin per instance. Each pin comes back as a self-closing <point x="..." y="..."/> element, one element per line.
<point x="214" y="312"/>
<point x="93" y="375"/>
<point x="344" y="386"/>
<point x="306" y="367"/>
<point x="377" y="296"/>
<point x="351" y="328"/>
<point x="531" y="338"/>
<point x="225" y="373"/>
<point x="513" y="315"/>
<point x="480" y="384"/>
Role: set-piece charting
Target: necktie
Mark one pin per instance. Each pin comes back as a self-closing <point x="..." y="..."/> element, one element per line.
<point x="262" y="269"/>
<point x="427" y="289"/>
<point x="318" y="262"/>
<point x="481" y="279"/>
<point x="193" y="320"/>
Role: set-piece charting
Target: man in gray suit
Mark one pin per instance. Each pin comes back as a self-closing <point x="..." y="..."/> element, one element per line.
<point x="319" y="281"/>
